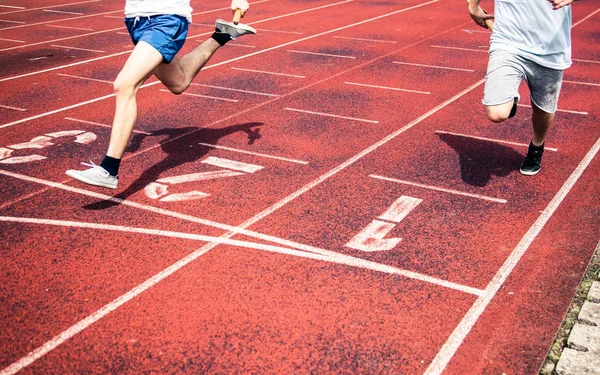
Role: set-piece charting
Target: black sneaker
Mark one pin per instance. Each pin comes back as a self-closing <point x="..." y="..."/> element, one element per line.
<point x="513" y="110"/>
<point x="533" y="161"/>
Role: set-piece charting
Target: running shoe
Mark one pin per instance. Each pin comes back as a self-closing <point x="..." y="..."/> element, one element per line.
<point x="96" y="175"/>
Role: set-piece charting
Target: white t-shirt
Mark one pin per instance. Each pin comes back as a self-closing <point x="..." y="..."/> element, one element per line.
<point x="533" y="30"/>
<point x="145" y="8"/>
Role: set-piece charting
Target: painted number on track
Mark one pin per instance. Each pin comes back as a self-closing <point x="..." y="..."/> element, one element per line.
<point x="43" y="141"/>
<point x="371" y="238"/>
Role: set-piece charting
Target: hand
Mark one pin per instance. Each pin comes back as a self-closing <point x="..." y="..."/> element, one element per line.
<point x="557" y="4"/>
<point x="241" y="5"/>
<point x="480" y="16"/>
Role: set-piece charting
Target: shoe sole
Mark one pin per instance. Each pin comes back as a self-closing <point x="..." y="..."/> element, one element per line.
<point x="528" y="173"/>
<point x="76" y="176"/>
<point x="240" y="26"/>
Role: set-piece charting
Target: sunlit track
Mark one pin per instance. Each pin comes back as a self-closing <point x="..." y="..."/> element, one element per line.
<point x="291" y="203"/>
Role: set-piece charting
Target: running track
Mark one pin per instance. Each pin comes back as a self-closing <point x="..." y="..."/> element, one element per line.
<point x="327" y="198"/>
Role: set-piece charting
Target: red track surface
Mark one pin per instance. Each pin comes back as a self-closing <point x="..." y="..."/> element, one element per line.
<point x="488" y="259"/>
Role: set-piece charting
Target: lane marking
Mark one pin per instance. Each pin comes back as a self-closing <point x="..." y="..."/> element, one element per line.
<point x="240" y="45"/>
<point x="70" y="27"/>
<point x="12" y="40"/>
<point x="266" y="72"/>
<point x="587" y="61"/>
<point x="201" y="176"/>
<point x="387" y="88"/>
<point x="61" y="20"/>
<point x="585" y="18"/>
<point x="102" y="125"/>
<point x="13" y="108"/>
<point x="434" y="66"/>
<point x="84" y="78"/>
<point x="11" y="6"/>
<point x="60" y="39"/>
<point x="232" y="89"/>
<point x="558" y="110"/>
<point x="492" y="140"/>
<point x="254" y="153"/>
<point x="203" y="96"/>
<point x="465" y="326"/>
<point x="62" y="12"/>
<point x="10" y="21"/>
<point x="459" y="48"/>
<point x="232" y="164"/>
<point x="332" y="115"/>
<point x="279" y="31"/>
<point x="582" y="83"/>
<point x="64" y="66"/>
<point x="50" y="6"/>
<point x="366" y="40"/>
<point x="431" y="187"/>
<point x="319" y="54"/>
<point x="77" y="48"/>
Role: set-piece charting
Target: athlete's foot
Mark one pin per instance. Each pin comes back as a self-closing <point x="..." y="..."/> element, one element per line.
<point x="234" y="31"/>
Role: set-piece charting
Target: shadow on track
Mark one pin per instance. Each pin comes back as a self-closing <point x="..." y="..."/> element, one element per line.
<point x="480" y="160"/>
<point x="179" y="151"/>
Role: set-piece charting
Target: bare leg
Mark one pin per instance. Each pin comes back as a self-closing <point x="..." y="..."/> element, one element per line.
<point x="499" y="113"/>
<point x="178" y="75"/>
<point x="141" y="63"/>
<point x="541" y="121"/>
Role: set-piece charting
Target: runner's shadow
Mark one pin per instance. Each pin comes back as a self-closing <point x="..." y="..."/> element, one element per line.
<point x="181" y="146"/>
<point x="480" y="159"/>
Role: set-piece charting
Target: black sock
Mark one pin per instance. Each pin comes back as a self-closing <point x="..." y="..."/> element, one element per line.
<point x="537" y="148"/>
<point x="111" y="165"/>
<point x="221" y="38"/>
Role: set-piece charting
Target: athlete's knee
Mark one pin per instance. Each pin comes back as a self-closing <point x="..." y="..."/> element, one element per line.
<point x="122" y="87"/>
<point x="178" y="89"/>
<point x="496" y="115"/>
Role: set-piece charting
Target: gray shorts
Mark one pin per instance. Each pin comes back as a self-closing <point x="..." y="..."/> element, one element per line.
<point x="504" y="75"/>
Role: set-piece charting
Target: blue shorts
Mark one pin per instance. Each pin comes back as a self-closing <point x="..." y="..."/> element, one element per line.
<point x="166" y="33"/>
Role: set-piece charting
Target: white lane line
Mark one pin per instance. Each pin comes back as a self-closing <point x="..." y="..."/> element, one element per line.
<point x="366" y="40"/>
<point x="70" y="27"/>
<point x="10" y="21"/>
<point x="241" y="45"/>
<point x="582" y="83"/>
<point x="459" y="48"/>
<point x="431" y="187"/>
<point x="465" y="326"/>
<point x="13" y="108"/>
<point x="12" y="40"/>
<point x="492" y="140"/>
<point x="62" y="12"/>
<point x="254" y="153"/>
<point x="332" y="115"/>
<point x="59" y="20"/>
<point x="77" y="48"/>
<point x="236" y="90"/>
<point x="585" y="18"/>
<point x="12" y="7"/>
<point x="266" y="72"/>
<point x="102" y="125"/>
<point x="204" y="96"/>
<point x="64" y="66"/>
<point x="320" y="54"/>
<point x="279" y="31"/>
<point x="434" y="66"/>
<point x="387" y="88"/>
<point x="51" y="6"/>
<point x="558" y="110"/>
<point x="587" y="61"/>
<point x="84" y="78"/>
<point x="80" y="326"/>
<point x="251" y="55"/>
<point x="60" y="39"/>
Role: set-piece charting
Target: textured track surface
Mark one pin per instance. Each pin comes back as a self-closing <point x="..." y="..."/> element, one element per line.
<point x="327" y="198"/>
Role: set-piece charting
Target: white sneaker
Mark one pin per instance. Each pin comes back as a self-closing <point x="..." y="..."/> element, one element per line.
<point x="234" y="31"/>
<point x="96" y="176"/>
